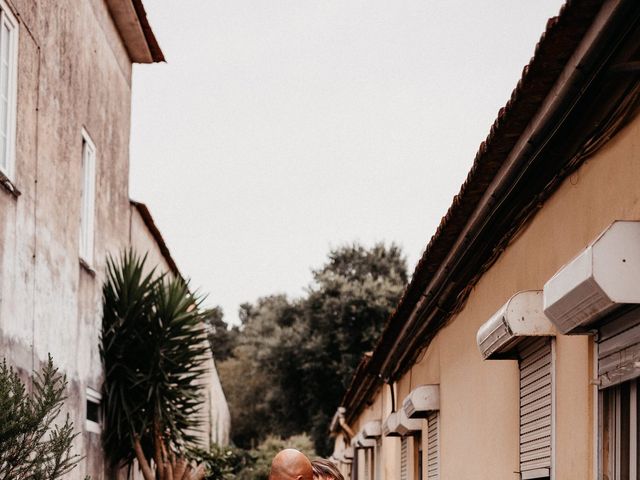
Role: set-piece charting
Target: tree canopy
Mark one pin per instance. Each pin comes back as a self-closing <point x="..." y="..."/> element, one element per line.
<point x="292" y="359"/>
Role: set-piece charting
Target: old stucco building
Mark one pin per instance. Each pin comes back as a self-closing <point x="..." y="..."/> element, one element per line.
<point x="144" y="237"/>
<point x="65" y="105"/>
<point x="514" y="352"/>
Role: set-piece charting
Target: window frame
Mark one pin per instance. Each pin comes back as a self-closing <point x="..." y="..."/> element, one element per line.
<point x="94" y="396"/>
<point x="7" y="17"/>
<point x="87" y="212"/>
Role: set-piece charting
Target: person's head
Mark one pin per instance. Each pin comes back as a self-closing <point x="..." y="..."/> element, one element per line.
<point x="290" y="464"/>
<point x="325" y="470"/>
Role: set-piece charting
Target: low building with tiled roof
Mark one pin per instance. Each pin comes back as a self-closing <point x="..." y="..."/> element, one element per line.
<point x="514" y="351"/>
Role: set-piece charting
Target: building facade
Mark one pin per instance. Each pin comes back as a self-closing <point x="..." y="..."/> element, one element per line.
<point x="65" y="107"/>
<point x="146" y="239"/>
<point x="514" y="352"/>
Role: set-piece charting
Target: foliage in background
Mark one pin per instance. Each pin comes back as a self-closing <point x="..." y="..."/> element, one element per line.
<point x="153" y="348"/>
<point x="293" y="359"/>
<point x="224" y="462"/>
<point x="31" y="446"/>
<point x="222" y="338"/>
<point x="253" y="382"/>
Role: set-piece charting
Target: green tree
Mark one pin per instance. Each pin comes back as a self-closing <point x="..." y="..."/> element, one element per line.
<point x="31" y="446"/>
<point x="253" y="377"/>
<point x="351" y="298"/>
<point x="223" y="338"/>
<point x="153" y="348"/>
<point x="294" y="359"/>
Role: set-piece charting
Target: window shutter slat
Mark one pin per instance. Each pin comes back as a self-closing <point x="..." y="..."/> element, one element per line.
<point x="536" y="408"/>
<point x="404" y="459"/>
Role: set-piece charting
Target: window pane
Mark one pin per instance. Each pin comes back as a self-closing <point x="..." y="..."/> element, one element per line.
<point x="5" y="42"/>
<point x="87" y="201"/>
<point x="5" y="80"/>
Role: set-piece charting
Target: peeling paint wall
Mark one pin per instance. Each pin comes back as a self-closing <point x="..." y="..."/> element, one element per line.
<point x="73" y="73"/>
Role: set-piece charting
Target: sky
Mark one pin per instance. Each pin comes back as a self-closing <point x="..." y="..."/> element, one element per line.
<point x="280" y="129"/>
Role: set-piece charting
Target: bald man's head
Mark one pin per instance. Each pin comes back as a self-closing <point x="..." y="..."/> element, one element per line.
<point x="291" y="464"/>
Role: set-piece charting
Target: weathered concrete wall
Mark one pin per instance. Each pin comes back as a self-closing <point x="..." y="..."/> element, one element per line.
<point x="143" y="243"/>
<point x="73" y="72"/>
<point x="479" y="400"/>
<point x="218" y="417"/>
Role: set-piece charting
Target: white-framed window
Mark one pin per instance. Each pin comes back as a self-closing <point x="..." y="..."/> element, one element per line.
<point x="87" y="205"/>
<point x="93" y="422"/>
<point x="618" y="342"/>
<point x="8" y="89"/>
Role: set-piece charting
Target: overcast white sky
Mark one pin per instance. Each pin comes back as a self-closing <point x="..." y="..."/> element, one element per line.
<point x="281" y="128"/>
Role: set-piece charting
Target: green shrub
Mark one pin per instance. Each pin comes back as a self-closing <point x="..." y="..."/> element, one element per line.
<point x="32" y="447"/>
<point x="224" y="463"/>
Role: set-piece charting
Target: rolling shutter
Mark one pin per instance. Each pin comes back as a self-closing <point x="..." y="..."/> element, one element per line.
<point x="404" y="459"/>
<point x="433" y="448"/>
<point x="536" y="408"/>
<point x="367" y="464"/>
<point x="619" y="350"/>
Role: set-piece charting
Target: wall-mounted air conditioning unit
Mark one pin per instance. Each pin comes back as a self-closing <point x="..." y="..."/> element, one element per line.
<point x="422" y="401"/>
<point x="521" y="317"/>
<point x="604" y="276"/>
<point x="359" y="441"/>
<point x="399" y="425"/>
<point x="372" y="429"/>
<point x="348" y="453"/>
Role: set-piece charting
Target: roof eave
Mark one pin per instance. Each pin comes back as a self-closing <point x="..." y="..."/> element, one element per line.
<point x="138" y="37"/>
<point x="157" y="236"/>
<point x="420" y="313"/>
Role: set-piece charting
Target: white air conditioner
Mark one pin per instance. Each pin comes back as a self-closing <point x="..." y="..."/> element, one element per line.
<point x="348" y="453"/>
<point x="372" y="429"/>
<point x="421" y="401"/>
<point x="604" y="276"/>
<point x="521" y="317"/>
<point x="362" y="442"/>
<point x="399" y="425"/>
<point x="390" y="425"/>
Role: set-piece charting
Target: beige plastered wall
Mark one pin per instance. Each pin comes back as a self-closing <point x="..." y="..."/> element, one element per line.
<point x="479" y="399"/>
<point x="143" y="243"/>
<point x="215" y="416"/>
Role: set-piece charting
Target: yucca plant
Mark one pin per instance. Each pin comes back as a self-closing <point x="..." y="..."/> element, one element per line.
<point x="153" y="348"/>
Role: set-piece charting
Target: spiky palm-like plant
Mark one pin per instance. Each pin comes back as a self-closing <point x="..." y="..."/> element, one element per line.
<point x="153" y="348"/>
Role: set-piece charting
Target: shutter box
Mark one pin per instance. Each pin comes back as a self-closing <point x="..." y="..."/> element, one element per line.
<point x="359" y="441"/>
<point x="421" y="401"/>
<point x="372" y="429"/>
<point x="399" y="425"/>
<point x="348" y="453"/>
<point x="619" y="349"/>
<point x="521" y="317"/>
<point x="604" y="276"/>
